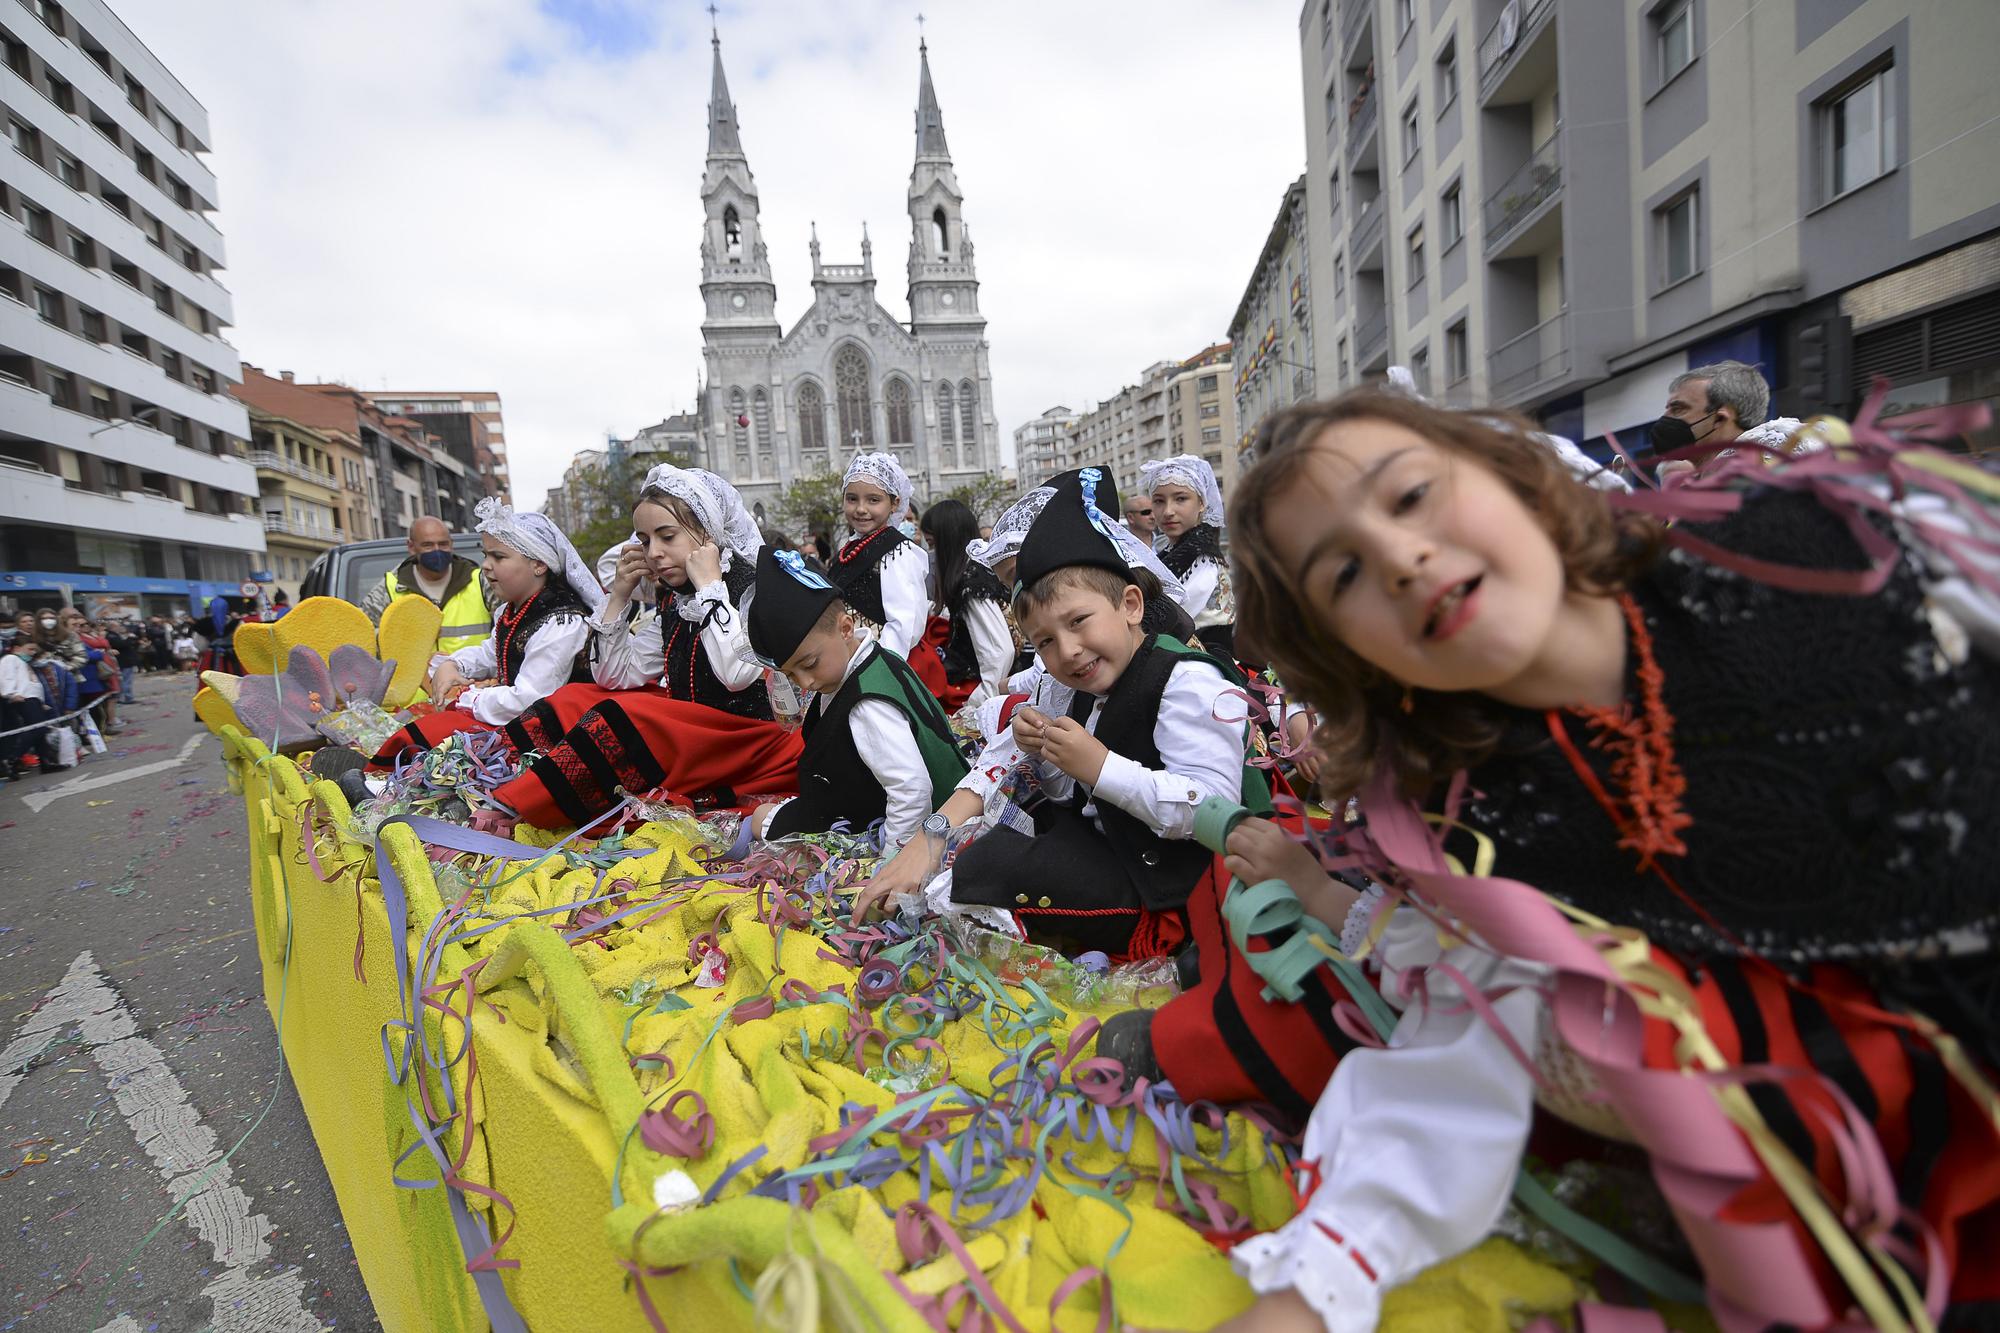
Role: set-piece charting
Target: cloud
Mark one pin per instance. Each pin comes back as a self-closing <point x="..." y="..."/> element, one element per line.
<point x="504" y="194"/>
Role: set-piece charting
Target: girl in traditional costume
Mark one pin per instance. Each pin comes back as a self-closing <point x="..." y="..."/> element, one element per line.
<point x="882" y="575"/>
<point x="538" y="637"/>
<point x="968" y="631"/>
<point x="1768" y="738"/>
<point x="1187" y="506"/>
<point x="679" y="700"/>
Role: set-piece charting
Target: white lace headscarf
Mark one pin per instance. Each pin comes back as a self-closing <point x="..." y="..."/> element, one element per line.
<point x="1191" y="472"/>
<point x="1011" y="529"/>
<point x="538" y="539"/>
<point x="886" y="472"/>
<point x="716" y="505"/>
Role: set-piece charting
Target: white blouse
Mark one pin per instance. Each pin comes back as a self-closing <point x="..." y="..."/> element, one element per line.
<point x="546" y="661"/>
<point x="906" y="597"/>
<point x="632" y="654"/>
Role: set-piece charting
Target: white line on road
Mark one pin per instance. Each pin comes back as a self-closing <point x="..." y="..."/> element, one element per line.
<point x="184" y="1149"/>
<point x="35" y="801"/>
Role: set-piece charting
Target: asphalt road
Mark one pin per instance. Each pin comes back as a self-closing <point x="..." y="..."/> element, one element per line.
<point x="139" y="1051"/>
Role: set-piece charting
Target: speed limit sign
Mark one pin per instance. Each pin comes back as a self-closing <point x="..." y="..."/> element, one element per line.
<point x="249" y="588"/>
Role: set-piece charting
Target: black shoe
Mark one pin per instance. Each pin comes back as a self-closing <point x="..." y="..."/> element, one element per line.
<point x="1128" y="1039"/>
<point x="331" y="761"/>
<point x="1187" y="966"/>
<point x="353" y="785"/>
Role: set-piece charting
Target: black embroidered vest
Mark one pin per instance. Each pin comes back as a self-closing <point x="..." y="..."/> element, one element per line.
<point x="1204" y="543"/>
<point x="512" y="629"/>
<point x="856" y="572"/>
<point x="961" y="657"/>
<point x="688" y="675"/>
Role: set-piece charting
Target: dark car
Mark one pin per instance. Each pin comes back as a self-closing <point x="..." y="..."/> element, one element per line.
<point x="349" y="571"/>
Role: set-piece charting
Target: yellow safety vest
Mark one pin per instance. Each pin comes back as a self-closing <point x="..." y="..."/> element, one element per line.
<point x="466" y="619"/>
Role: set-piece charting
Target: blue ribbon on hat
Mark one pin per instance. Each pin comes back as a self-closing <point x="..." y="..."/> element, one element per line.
<point x="795" y="565"/>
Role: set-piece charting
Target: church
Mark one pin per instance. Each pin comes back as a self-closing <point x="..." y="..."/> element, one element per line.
<point x="778" y="404"/>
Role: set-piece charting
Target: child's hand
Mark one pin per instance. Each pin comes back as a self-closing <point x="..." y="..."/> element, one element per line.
<point x="1028" y="726"/>
<point x="1068" y="745"/>
<point x="443" y="681"/>
<point x="905" y="874"/>
<point x="632" y="569"/>
<point x="1298" y="734"/>
<point x="1259" y="850"/>
<point x="1280" y="1312"/>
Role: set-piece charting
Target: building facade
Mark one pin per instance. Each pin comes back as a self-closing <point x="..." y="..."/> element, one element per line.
<point x="1272" y="329"/>
<point x="469" y="424"/>
<point x="1559" y="205"/>
<point x="780" y="404"/>
<point x="300" y="496"/>
<point x="1127" y="428"/>
<point x="1201" y="412"/>
<point x="122" y="477"/>
<point x="1043" y="447"/>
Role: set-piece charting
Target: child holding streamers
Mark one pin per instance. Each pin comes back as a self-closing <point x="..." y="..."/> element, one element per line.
<point x="1762" y="737"/>
<point x="882" y="576"/>
<point x="538" y="637"/>
<point x="1187" y="506"/>
<point x="679" y="702"/>
<point x="877" y="744"/>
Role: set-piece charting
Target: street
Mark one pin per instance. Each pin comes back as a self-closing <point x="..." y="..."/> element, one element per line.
<point x="136" y="1052"/>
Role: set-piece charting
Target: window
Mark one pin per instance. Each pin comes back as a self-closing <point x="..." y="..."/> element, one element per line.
<point x="1339" y="275"/>
<point x="739" y="420"/>
<point x="26" y="137"/>
<point x="52" y="15"/>
<point x="1447" y="76"/>
<point x="1457" y="354"/>
<point x="896" y="397"/>
<point x="17" y="54"/>
<point x="1211" y="409"/>
<point x="50" y="305"/>
<point x="1211" y="434"/>
<point x="1412" y="132"/>
<point x="732" y="233"/>
<point x="1451" y="217"/>
<point x="1673" y="37"/>
<point x="947" y="418"/>
<point x="93" y="325"/>
<point x="812" y="418"/>
<point x="1406" y="14"/>
<point x="163" y="297"/>
<point x="62" y="391"/>
<point x="1857" y="134"/>
<point x="940" y="233"/>
<point x="61" y="93"/>
<point x="171" y="363"/>
<point x="70" y="170"/>
<point x="852" y="397"/>
<point x="178" y="188"/>
<point x="1420" y="368"/>
<point x="1416" y="252"/>
<point x="760" y="418"/>
<point x="135" y="92"/>
<point x="40" y="225"/>
<point x="100" y="406"/>
<point x="1332" y="108"/>
<point x="968" y="416"/>
<point x="1680" y="250"/>
<point x="82" y="249"/>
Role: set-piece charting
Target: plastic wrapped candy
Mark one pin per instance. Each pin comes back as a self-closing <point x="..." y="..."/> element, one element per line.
<point x="363" y="725"/>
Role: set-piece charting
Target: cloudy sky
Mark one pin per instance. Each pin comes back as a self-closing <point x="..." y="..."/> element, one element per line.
<point x="504" y="194"/>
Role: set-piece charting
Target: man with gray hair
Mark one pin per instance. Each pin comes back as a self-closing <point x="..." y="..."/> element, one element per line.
<point x="1719" y="404"/>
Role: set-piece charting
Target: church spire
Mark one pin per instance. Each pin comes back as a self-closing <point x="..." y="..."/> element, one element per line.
<point x="930" y="120"/>
<point x="722" y="138"/>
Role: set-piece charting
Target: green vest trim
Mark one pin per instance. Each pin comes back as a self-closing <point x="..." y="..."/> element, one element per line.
<point x="1256" y="787"/>
<point x="946" y="766"/>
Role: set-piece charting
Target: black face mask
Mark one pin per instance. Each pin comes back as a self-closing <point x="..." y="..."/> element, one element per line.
<point x="435" y="562"/>
<point x="1671" y="433"/>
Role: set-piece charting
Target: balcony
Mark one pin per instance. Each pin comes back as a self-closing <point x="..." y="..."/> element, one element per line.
<point x="1522" y="197"/>
<point x="1371" y="341"/>
<point x="1512" y="33"/>
<point x="1360" y="123"/>
<point x="1353" y="16"/>
<point x="1366" y="237"/>
<point x="268" y="461"/>
<point x="285" y="527"/>
<point x="1529" y="363"/>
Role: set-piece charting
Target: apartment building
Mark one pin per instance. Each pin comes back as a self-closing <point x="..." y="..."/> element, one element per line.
<point x="1043" y="447"/>
<point x="1127" y="428"/>
<point x="122" y="477"/>
<point x="467" y="422"/>
<point x="300" y="496"/>
<point x="1560" y="204"/>
<point x="1201" y="412"/>
<point x="1272" y="329"/>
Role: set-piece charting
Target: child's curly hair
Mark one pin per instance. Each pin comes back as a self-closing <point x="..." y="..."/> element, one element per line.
<point x="1362" y="719"/>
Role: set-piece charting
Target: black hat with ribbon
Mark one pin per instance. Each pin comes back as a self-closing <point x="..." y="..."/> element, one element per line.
<point x="789" y="601"/>
<point x="1073" y="529"/>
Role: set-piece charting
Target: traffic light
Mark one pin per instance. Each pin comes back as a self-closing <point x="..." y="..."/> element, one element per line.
<point x="1823" y="365"/>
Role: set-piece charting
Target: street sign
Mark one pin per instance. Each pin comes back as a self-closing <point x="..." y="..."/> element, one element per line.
<point x="249" y="588"/>
<point x="262" y="576"/>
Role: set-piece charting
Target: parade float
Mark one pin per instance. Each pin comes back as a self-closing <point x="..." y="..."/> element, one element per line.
<point x="614" y="1079"/>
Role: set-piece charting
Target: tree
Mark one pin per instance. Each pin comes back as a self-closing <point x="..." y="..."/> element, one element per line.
<point x="810" y="504"/>
<point x="601" y="498"/>
<point x="985" y="497"/>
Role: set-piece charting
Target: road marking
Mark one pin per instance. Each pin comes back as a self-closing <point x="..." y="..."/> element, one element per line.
<point x="124" y="1323"/>
<point x="184" y="1150"/>
<point x="36" y="801"/>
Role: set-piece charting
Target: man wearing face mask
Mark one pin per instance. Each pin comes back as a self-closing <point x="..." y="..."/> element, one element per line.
<point x="451" y="581"/>
<point x="1719" y="404"/>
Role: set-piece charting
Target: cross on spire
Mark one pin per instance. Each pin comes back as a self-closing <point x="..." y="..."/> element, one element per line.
<point x="920" y="33"/>
<point x="711" y="21"/>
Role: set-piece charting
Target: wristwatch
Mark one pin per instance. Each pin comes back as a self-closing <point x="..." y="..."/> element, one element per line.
<point x="937" y="826"/>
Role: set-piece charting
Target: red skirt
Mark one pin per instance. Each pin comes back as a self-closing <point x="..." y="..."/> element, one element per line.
<point x="424" y="732"/>
<point x="927" y="660"/>
<point x="593" y="742"/>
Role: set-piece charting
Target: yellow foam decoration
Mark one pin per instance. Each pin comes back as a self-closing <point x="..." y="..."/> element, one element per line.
<point x="322" y="623"/>
<point x="214" y="710"/>
<point x="561" y="1082"/>
<point x="224" y="684"/>
<point x="407" y="636"/>
<point x="256" y="647"/>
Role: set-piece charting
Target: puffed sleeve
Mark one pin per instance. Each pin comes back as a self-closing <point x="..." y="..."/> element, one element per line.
<point x="906" y="599"/>
<point x="725" y="637"/>
<point x="626" y="653"/>
<point x="546" y="663"/>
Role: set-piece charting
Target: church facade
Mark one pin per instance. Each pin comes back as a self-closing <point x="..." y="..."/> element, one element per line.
<point x="781" y="404"/>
